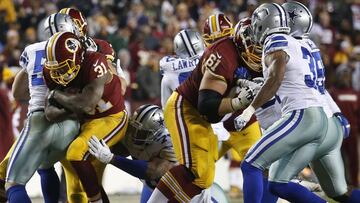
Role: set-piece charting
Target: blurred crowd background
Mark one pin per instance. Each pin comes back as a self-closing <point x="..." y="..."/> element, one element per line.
<point x="142" y="31"/>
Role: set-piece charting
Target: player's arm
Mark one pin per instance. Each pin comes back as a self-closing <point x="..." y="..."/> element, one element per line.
<point x="55" y="113"/>
<point x="86" y="100"/>
<point x="166" y="89"/>
<point x="149" y="170"/>
<point x="20" y="88"/>
<point x="120" y="73"/>
<point x="276" y="62"/>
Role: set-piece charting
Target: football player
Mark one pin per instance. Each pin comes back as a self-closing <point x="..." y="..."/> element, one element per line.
<point x="327" y="165"/>
<point x="188" y="47"/>
<point x="218" y="26"/>
<point x="148" y="142"/>
<point x="97" y="45"/>
<point x="87" y="73"/>
<point x="295" y="136"/>
<point x="200" y="100"/>
<point x="26" y="155"/>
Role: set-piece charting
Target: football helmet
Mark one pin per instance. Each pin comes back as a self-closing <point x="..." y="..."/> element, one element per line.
<point x="78" y="19"/>
<point x="59" y="22"/>
<point x="216" y="27"/>
<point x="146" y="124"/>
<point x="267" y="19"/>
<point x="249" y="52"/>
<point x="64" y="55"/>
<point x="299" y="18"/>
<point x="188" y="44"/>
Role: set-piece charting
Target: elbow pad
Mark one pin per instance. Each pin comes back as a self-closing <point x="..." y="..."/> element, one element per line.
<point x="208" y="104"/>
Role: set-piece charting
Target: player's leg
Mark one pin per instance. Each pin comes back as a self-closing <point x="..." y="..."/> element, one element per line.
<point x="111" y="129"/>
<point x="26" y="157"/>
<point x="291" y="132"/>
<point x="329" y="168"/>
<point x="3" y="166"/>
<point x="74" y="190"/>
<point x="65" y="133"/>
<point x="145" y="194"/>
<point x="195" y="146"/>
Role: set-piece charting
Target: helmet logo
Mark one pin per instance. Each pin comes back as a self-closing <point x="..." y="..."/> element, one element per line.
<point x="160" y="119"/>
<point x="293" y="15"/>
<point x="72" y="45"/>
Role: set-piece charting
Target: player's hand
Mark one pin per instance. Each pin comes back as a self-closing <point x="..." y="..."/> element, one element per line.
<point x="100" y="150"/>
<point x="90" y="44"/>
<point x="241" y="121"/>
<point x="243" y="99"/>
<point x="344" y="124"/>
<point x="254" y="84"/>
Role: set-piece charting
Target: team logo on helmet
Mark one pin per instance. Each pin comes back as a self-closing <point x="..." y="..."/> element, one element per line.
<point x="293" y="15"/>
<point x="72" y="45"/>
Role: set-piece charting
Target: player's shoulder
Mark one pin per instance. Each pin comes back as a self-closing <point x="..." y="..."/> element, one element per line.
<point x="92" y="57"/>
<point x="166" y="63"/>
<point x="223" y="44"/>
<point x="174" y="64"/>
<point x="105" y="48"/>
<point x="278" y="41"/>
<point x="35" y="46"/>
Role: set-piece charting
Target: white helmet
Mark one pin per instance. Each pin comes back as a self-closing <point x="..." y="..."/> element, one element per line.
<point x="267" y="19"/>
<point x="299" y="18"/>
<point x="59" y="22"/>
<point x="188" y="44"/>
<point x="146" y="124"/>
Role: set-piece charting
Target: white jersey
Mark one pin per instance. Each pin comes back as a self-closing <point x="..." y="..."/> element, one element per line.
<point x="175" y="70"/>
<point x="329" y="105"/>
<point x="300" y="88"/>
<point x="269" y="113"/>
<point x="32" y="61"/>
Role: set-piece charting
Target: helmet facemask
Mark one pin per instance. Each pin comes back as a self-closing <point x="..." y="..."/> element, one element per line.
<point x="64" y="72"/>
<point x="212" y="38"/>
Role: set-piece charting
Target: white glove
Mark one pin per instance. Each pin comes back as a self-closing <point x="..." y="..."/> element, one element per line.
<point x="243" y="99"/>
<point x="100" y="150"/>
<point x="90" y="44"/>
<point x="244" y="118"/>
<point x="256" y="84"/>
<point x="119" y="70"/>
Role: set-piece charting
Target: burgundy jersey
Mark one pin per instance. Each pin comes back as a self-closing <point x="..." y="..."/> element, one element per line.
<point x="348" y="101"/>
<point x="221" y="59"/>
<point x="105" y="48"/>
<point x="94" y="66"/>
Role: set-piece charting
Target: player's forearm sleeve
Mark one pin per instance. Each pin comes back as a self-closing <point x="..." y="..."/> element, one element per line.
<point x="136" y="168"/>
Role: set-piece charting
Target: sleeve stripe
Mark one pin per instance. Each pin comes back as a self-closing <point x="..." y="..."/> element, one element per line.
<point x="277" y="38"/>
<point x="276" y="44"/>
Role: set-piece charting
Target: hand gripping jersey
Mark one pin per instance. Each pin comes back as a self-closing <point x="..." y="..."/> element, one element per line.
<point x="301" y="87"/>
<point x="32" y="60"/>
<point x="93" y="67"/>
<point x="175" y="70"/>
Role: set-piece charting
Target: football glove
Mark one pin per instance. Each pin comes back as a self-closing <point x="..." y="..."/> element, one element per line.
<point x="90" y="44"/>
<point x="255" y="85"/>
<point x="100" y="150"/>
<point x="243" y="99"/>
<point x="241" y="121"/>
<point x="344" y="124"/>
